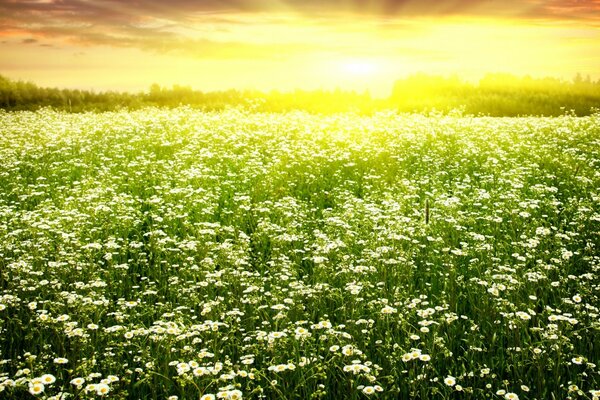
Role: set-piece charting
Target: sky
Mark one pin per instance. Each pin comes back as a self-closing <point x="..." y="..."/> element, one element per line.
<point x="288" y="44"/>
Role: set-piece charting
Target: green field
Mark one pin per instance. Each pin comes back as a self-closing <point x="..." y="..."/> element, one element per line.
<point x="160" y="253"/>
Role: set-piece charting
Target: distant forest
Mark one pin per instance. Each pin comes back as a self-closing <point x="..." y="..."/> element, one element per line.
<point x="494" y="95"/>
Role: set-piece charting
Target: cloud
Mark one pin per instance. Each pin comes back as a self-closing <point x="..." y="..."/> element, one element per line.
<point x="147" y="25"/>
<point x="181" y="10"/>
<point x="164" y="42"/>
<point x="581" y="10"/>
<point x="164" y="27"/>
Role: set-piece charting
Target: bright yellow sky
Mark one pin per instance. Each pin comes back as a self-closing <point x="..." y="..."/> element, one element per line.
<point x="276" y="45"/>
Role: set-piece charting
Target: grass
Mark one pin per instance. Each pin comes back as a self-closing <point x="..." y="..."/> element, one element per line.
<point x="162" y="253"/>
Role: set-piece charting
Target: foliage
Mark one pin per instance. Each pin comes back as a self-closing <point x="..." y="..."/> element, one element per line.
<point x="494" y="95"/>
<point x="498" y="95"/>
<point x="163" y="253"/>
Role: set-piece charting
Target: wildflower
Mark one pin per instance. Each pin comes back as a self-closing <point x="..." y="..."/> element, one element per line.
<point x="60" y="360"/>
<point x="388" y="310"/>
<point x="425" y="357"/>
<point x="48" y="379"/>
<point x="368" y="390"/>
<point x="277" y="335"/>
<point x="102" y="389"/>
<point x="8" y="383"/>
<point x="577" y="360"/>
<point x="511" y="396"/>
<point x="77" y="381"/>
<point x="90" y="388"/>
<point x="450" y="381"/>
<point x="36" y="388"/>
<point x="278" y="368"/>
<point x="523" y="315"/>
<point x="301" y="333"/>
<point x="182" y="368"/>
<point x="348" y="350"/>
<point x="208" y="397"/>
<point x="234" y="395"/>
<point x="323" y="325"/>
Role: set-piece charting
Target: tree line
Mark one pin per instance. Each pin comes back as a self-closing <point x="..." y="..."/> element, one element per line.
<point x="494" y="95"/>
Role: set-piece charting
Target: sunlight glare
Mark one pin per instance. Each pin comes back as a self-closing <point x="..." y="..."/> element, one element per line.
<point x="359" y="67"/>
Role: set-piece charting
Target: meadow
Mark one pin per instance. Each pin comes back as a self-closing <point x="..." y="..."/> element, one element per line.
<point x="179" y="254"/>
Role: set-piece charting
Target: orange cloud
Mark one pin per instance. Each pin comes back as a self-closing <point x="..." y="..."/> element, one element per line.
<point x="157" y="25"/>
<point x="304" y="41"/>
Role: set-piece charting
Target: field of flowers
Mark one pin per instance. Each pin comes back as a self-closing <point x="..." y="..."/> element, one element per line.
<point x="174" y="254"/>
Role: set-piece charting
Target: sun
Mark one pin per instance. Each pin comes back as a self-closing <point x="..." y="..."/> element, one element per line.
<point x="359" y="67"/>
